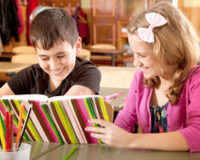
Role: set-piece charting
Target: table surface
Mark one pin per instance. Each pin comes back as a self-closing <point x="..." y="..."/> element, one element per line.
<point x="53" y="151"/>
<point x="12" y="67"/>
<point x="117" y="102"/>
<point x="116" y="77"/>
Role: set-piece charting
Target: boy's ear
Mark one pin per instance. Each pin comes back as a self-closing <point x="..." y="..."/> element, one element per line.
<point x="78" y="45"/>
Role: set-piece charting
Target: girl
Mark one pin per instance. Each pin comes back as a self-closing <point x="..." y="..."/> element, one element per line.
<point x="164" y="95"/>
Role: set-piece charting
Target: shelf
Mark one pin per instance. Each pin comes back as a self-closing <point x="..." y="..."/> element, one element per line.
<point x="124" y="35"/>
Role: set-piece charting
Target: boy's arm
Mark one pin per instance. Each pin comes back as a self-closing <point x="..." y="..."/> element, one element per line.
<point x="79" y="90"/>
<point x="6" y="90"/>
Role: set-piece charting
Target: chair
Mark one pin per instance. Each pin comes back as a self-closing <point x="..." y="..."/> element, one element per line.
<point x="102" y="46"/>
<point x="110" y="110"/>
<point x="24" y="50"/>
<point x="85" y="54"/>
<point x="25" y="58"/>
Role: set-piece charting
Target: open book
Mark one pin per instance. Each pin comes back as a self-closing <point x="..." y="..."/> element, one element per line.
<point x="60" y="119"/>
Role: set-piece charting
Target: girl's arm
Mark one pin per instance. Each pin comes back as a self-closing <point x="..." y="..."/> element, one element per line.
<point x="170" y="141"/>
<point x="115" y="136"/>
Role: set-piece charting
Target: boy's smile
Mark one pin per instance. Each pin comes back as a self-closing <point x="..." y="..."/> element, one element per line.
<point x="58" y="61"/>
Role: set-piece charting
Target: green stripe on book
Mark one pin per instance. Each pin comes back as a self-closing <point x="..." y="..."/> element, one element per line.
<point x="89" y="105"/>
<point x="66" y="122"/>
<point x="5" y="104"/>
<point x="29" y="123"/>
<point x="103" y="108"/>
<point x="52" y="124"/>
<point x="90" y="108"/>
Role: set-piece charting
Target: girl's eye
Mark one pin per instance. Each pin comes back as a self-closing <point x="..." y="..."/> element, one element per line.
<point x="142" y="55"/>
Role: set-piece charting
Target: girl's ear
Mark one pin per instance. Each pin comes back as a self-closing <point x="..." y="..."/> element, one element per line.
<point x="78" y="46"/>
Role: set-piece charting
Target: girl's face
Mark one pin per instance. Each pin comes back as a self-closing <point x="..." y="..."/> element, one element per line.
<point x="143" y="58"/>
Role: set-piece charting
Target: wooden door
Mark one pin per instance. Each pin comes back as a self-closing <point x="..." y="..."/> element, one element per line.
<point x="191" y="9"/>
<point x="104" y="8"/>
<point x="104" y="21"/>
<point x="104" y="32"/>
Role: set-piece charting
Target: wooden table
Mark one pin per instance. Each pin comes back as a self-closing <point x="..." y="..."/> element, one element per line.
<point x="116" y="77"/>
<point x="52" y="151"/>
<point x="108" y="52"/>
<point x="118" y="102"/>
<point x="6" y="56"/>
<point x="6" y="67"/>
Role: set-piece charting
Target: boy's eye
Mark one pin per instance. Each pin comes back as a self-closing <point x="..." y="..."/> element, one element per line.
<point x="61" y="56"/>
<point x="44" y="59"/>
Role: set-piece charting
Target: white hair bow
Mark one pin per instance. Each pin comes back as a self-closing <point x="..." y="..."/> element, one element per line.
<point x="155" y="20"/>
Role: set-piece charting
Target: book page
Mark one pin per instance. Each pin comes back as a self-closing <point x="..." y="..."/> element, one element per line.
<point x="37" y="97"/>
<point x="72" y="97"/>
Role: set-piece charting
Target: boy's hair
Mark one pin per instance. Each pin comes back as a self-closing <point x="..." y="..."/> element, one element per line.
<point x="52" y="26"/>
<point x="176" y="44"/>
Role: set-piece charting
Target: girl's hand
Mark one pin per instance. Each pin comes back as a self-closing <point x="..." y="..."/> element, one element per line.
<point x="110" y="133"/>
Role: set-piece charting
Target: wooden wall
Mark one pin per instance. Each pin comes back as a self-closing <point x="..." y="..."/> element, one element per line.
<point x="191" y="12"/>
<point x="23" y="39"/>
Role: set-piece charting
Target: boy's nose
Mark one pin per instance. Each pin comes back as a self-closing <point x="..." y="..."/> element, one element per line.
<point x="53" y="64"/>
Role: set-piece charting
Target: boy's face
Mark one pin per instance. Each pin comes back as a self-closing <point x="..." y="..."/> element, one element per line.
<point x="58" y="61"/>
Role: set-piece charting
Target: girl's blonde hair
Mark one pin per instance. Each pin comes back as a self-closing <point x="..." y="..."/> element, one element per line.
<point x="176" y="44"/>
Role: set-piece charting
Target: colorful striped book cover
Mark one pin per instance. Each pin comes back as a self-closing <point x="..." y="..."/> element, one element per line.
<point x="60" y="119"/>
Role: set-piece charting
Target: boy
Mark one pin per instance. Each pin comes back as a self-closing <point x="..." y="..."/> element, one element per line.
<point x="55" y="37"/>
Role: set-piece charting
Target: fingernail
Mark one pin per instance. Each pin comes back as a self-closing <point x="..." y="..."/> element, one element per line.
<point x="89" y="121"/>
<point x="86" y="129"/>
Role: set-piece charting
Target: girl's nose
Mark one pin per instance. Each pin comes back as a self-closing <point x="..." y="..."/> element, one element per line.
<point x="136" y="61"/>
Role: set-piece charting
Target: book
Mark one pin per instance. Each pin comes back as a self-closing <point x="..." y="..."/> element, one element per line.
<point x="60" y="119"/>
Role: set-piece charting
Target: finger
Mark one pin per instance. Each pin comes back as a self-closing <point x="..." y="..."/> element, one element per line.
<point x="98" y="136"/>
<point x="100" y="122"/>
<point x="95" y="129"/>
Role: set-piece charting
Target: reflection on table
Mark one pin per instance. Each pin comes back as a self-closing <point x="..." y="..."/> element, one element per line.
<point x="39" y="149"/>
<point x="53" y="151"/>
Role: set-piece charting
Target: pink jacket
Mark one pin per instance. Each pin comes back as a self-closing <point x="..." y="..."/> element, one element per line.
<point x="184" y="116"/>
